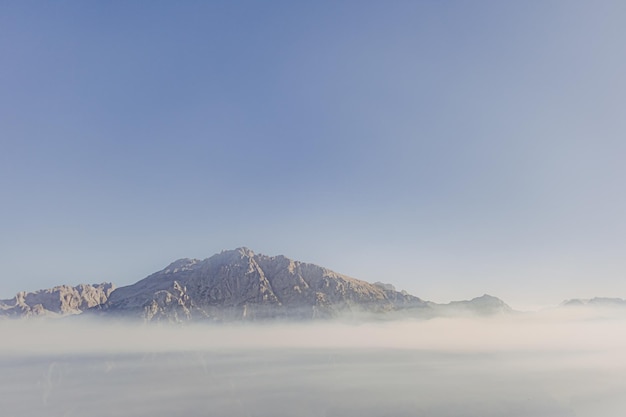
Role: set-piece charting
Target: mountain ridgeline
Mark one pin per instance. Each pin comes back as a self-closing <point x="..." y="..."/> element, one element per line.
<point x="58" y="301"/>
<point x="239" y="285"/>
<point x="242" y="285"/>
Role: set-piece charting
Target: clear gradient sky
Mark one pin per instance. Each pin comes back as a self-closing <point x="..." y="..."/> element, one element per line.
<point x="452" y="148"/>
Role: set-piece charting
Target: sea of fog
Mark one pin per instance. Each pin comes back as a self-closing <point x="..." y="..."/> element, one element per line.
<point x="541" y="365"/>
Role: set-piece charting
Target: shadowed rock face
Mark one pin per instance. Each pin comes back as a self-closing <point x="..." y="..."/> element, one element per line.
<point x="58" y="301"/>
<point x="240" y="284"/>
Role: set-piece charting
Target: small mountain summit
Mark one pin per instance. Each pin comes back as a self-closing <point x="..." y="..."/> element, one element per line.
<point x="485" y="305"/>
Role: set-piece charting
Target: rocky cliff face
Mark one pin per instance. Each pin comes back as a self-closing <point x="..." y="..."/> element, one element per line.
<point x="58" y="301"/>
<point x="240" y="284"/>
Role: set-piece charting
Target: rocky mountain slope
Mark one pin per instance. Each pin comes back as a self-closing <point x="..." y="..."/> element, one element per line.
<point x="58" y="301"/>
<point x="242" y="285"/>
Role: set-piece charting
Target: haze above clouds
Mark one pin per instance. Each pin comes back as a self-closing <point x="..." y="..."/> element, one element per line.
<point x="453" y="149"/>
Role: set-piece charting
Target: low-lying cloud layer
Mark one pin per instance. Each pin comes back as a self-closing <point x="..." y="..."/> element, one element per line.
<point x="559" y="364"/>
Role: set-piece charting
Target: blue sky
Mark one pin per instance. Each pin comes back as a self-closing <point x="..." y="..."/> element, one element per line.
<point x="450" y="148"/>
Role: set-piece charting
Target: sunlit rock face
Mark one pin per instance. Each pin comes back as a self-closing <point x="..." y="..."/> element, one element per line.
<point x="58" y="301"/>
<point x="242" y="285"/>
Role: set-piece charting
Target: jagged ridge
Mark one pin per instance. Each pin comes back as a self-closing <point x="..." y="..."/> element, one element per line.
<point x="58" y="301"/>
<point x="240" y="284"/>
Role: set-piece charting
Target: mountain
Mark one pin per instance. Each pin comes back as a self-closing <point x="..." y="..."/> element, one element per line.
<point x="58" y="301"/>
<point x="485" y="305"/>
<point x="241" y="285"/>
<point x="597" y="302"/>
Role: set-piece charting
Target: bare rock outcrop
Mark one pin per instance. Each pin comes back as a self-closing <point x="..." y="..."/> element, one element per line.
<point x="58" y="301"/>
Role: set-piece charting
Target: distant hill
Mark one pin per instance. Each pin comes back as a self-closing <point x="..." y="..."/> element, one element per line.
<point x="598" y="302"/>
<point x="485" y="305"/>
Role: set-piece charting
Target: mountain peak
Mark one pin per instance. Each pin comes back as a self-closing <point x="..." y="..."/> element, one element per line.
<point x="242" y="251"/>
<point x="182" y="264"/>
